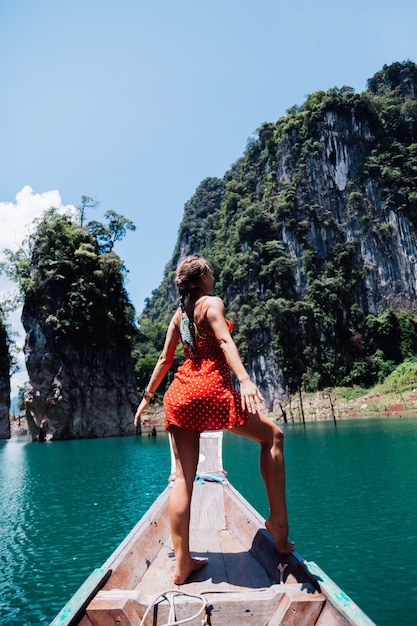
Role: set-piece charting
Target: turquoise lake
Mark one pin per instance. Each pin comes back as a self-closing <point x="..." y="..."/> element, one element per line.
<point x="352" y="499"/>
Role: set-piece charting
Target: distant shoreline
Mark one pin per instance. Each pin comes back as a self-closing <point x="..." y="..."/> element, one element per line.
<point x="329" y="406"/>
<point x="319" y="406"/>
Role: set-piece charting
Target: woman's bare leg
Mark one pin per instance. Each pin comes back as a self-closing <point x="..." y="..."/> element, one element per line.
<point x="185" y="444"/>
<point x="271" y="438"/>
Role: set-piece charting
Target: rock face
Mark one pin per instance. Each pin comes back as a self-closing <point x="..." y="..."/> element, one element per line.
<point x="4" y="410"/>
<point x="4" y="384"/>
<point x="76" y="394"/>
<point x="4" y="407"/>
<point x="79" y="323"/>
<point x="352" y="208"/>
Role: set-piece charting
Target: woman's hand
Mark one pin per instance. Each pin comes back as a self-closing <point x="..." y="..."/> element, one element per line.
<point x="251" y="396"/>
<point x="141" y="408"/>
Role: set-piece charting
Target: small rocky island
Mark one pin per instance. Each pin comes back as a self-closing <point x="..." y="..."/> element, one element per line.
<point x="79" y="325"/>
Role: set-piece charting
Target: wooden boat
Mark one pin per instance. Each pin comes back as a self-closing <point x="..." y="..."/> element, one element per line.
<point x="245" y="582"/>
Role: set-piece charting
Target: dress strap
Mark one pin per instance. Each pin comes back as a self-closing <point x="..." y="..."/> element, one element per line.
<point x="185" y="331"/>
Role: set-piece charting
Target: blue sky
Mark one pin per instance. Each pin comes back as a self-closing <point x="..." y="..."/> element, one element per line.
<point x="135" y="102"/>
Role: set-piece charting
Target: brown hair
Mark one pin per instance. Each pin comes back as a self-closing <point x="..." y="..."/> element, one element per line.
<point x="189" y="271"/>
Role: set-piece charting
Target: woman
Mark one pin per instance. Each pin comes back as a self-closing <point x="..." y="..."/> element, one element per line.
<point x="202" y="397"/>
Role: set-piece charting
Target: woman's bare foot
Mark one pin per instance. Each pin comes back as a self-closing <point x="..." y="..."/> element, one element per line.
<point x="279" y="535"/>
<point x="181" y="573"/>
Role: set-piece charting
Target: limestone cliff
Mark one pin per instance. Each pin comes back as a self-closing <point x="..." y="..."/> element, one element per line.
<point x="311" y="233"/>
<point x="78" y="393"/>
<point x="78" y="324"/>
<point x="4" y="384"/>
<point x="350" y="207"/>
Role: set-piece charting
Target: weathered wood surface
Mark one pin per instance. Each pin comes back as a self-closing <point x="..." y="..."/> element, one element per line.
<point x="242" y="582"/>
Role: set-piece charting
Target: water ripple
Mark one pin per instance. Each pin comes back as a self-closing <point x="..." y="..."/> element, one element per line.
<point x="65" y="506"/>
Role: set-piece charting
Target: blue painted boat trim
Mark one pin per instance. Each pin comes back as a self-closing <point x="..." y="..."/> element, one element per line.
<point x="336" y="596"/>
<point x="72" y="612"/>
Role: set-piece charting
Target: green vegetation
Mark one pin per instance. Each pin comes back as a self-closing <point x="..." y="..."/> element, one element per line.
<point x="395" y="396"/>
<point x="146" y="351"/>
<point x="275" y="233"/>
<point x="402" y="380"/>
<point x="287" y="232"/>
<point x="73" y="282"/>
<point x="350" y="393"/>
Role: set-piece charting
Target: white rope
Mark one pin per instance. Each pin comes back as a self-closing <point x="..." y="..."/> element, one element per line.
<point x="170" y="596"/>
<point x="175" y="592"/>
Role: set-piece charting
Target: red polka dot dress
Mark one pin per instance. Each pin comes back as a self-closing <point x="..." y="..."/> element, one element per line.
<point x="201" y="396"/>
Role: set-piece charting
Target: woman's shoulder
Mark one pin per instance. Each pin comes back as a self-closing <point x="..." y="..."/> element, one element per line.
<point x="209" y="305"/>
<point x="212" y="301"/>
<point x="204" y="308"/>
<point x="215" y="303"/>
<point x="212" y="311"/>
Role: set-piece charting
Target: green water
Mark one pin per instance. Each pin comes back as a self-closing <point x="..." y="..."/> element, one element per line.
<point x="352" y="502"/>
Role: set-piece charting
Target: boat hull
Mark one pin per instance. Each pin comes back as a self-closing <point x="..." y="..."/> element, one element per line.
<point x="246" y="581"/>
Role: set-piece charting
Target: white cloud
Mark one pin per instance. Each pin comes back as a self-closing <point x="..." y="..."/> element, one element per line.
<point x="16" y="219"/>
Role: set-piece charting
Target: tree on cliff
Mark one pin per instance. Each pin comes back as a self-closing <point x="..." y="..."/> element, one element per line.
<point x="80" y="326"/>
<point x="82" y="286"/>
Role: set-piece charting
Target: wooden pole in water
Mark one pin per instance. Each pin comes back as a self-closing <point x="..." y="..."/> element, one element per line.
<point x="301" y="404"/>
<point x="283" y="412"/>
<point x="332" y="408"/>
<point x="289" y="405"/>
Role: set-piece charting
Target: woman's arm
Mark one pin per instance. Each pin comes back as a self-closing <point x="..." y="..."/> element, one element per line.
<point x="251" y="396"/>
<point x="163" y="364"/>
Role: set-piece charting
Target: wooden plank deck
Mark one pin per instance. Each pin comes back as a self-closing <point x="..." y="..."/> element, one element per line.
<point x="235" y="580"/>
